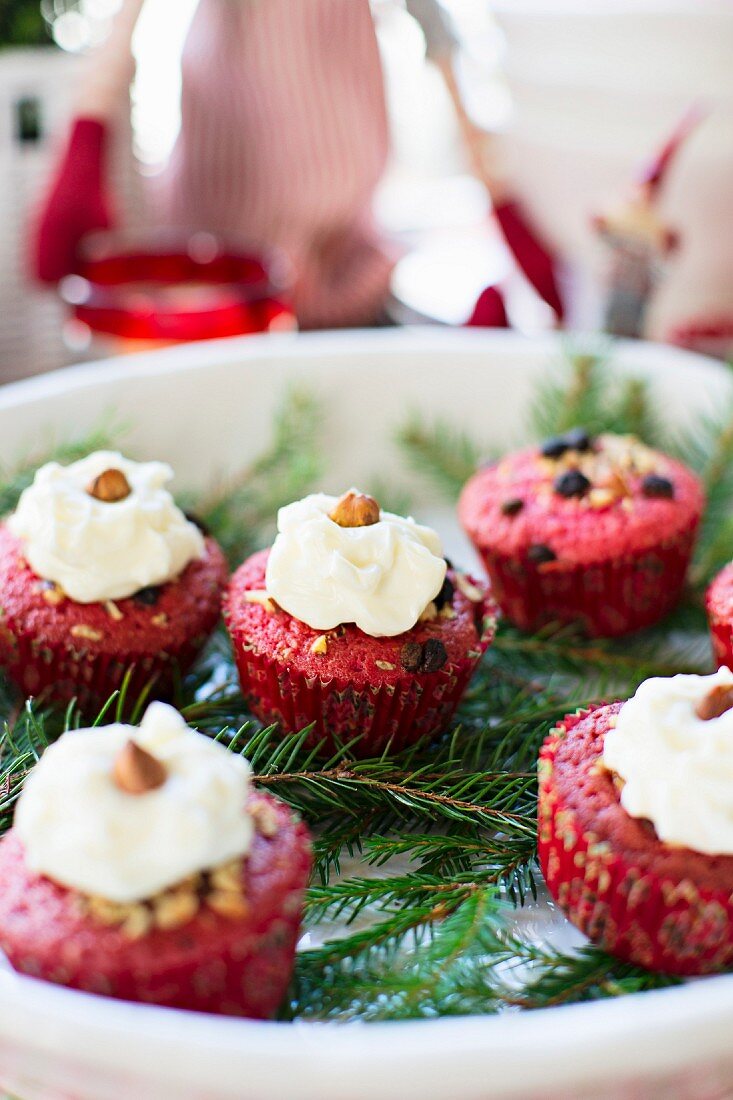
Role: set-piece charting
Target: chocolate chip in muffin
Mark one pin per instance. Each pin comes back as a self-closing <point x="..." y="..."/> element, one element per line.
<point x="554" y="447"/>
<point x="434" y="655"/>
<point x="428" y="657"/>
<point x="657" y="487"/>
<point x="578" y="439"/>
<point x="572" y="484"/>
<point x="411" y="656"/>
<point x="445" y="596"/>
<point x="512" y="506"/>
<point x="149" y="596"/>
<point x="539" y="553"/>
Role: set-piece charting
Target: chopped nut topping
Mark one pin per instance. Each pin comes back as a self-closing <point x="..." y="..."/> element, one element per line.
<point x="228" y="876"/>
<point x="81" y="630"/>
<point x="259" y="595"/>
<point x="717" y="701"/>
<point x="53" y="594"/>
<point x="470" y="590"/>
<point x="113" y="611"/>
<point x="137" y="771"/>
<point x="110" y="486"/>
<point x="161" y="619"/>
<point x="108" y="912"/>
<point x="264" y="817"/>
<point x="617" y="483"/>
<point x="222" y="889"/>
<point x="600" y="498"/>
<point x="139" y="922"/>
<point x="386" y="666"/>
<point x="171" y="910"/>
<point x="355" y="510"/>
<point x="228" y="903"/>
<point x="319" y="645"/>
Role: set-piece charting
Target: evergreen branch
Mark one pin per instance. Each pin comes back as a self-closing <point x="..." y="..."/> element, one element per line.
<point x="440" y="453"/>
<point x="241" y="511"/>
<point x="708" y="449"/>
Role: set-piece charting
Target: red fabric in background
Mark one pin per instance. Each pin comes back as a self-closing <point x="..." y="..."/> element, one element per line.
<point x="76" y="203"/>
<point x="489" y="311"/>
<point x="531" y="255"/>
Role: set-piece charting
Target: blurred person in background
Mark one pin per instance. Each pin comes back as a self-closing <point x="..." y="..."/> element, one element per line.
<point x="283" y="139"/>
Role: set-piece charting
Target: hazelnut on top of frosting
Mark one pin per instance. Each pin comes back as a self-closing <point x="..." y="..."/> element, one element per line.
<point x="122" y="813"/>
<point x="343" y="560"/>
<point x="104" y="527"/>
<point x="355" y="510"/>
<point x="672" y="747"/>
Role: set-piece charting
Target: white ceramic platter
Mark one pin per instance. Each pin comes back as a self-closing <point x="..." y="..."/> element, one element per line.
<point x="207" y="409"/>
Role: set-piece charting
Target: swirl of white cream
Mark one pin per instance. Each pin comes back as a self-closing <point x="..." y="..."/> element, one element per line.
<point x="81" y="830"/>
<point x="677" y="768"/>
<point x="96" y="550"/>
<point x="381" y="577"/>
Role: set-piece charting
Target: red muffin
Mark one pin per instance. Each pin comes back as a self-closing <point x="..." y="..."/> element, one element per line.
<point x="659" y="905"/>
<point x="101" y="572"/>
<point x="389" y="691"/>
<point x="53" y="645"/>
<point x="719" y="606"/>
<point x="197" y="946"/>
<point x="597" y="532"/>
<point x="143" y="865"/>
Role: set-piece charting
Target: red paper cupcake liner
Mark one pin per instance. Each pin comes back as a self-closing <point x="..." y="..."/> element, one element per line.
<point x="396" y="714"/>
<point x="606" y="598"/>
<point x="66" y="672"/>
<point x="664" y="924"/>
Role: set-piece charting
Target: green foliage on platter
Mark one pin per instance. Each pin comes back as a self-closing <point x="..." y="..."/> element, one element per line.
<point x="440" y="915"/>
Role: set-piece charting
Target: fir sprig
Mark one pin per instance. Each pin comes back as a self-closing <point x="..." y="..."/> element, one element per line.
<point x="243" y="506"/>
<point x="440" y="453"/>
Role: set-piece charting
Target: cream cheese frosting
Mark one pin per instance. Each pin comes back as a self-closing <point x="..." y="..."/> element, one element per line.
<point x="380" y="577"/>
<point x="677" y="768"/>
<point x="97" y="550"/>
<point x="81" y="830"/>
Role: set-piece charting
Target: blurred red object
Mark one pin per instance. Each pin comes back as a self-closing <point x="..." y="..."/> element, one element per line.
<point x="489" y="311"/>
<point x="531" y="254"/>
<point x="168" y="290"/>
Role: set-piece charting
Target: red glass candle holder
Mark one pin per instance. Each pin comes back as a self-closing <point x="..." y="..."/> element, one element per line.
<point x="166" y="291"/>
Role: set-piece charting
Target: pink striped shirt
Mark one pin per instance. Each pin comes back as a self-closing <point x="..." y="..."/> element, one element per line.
<point x="283" y="139"/>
